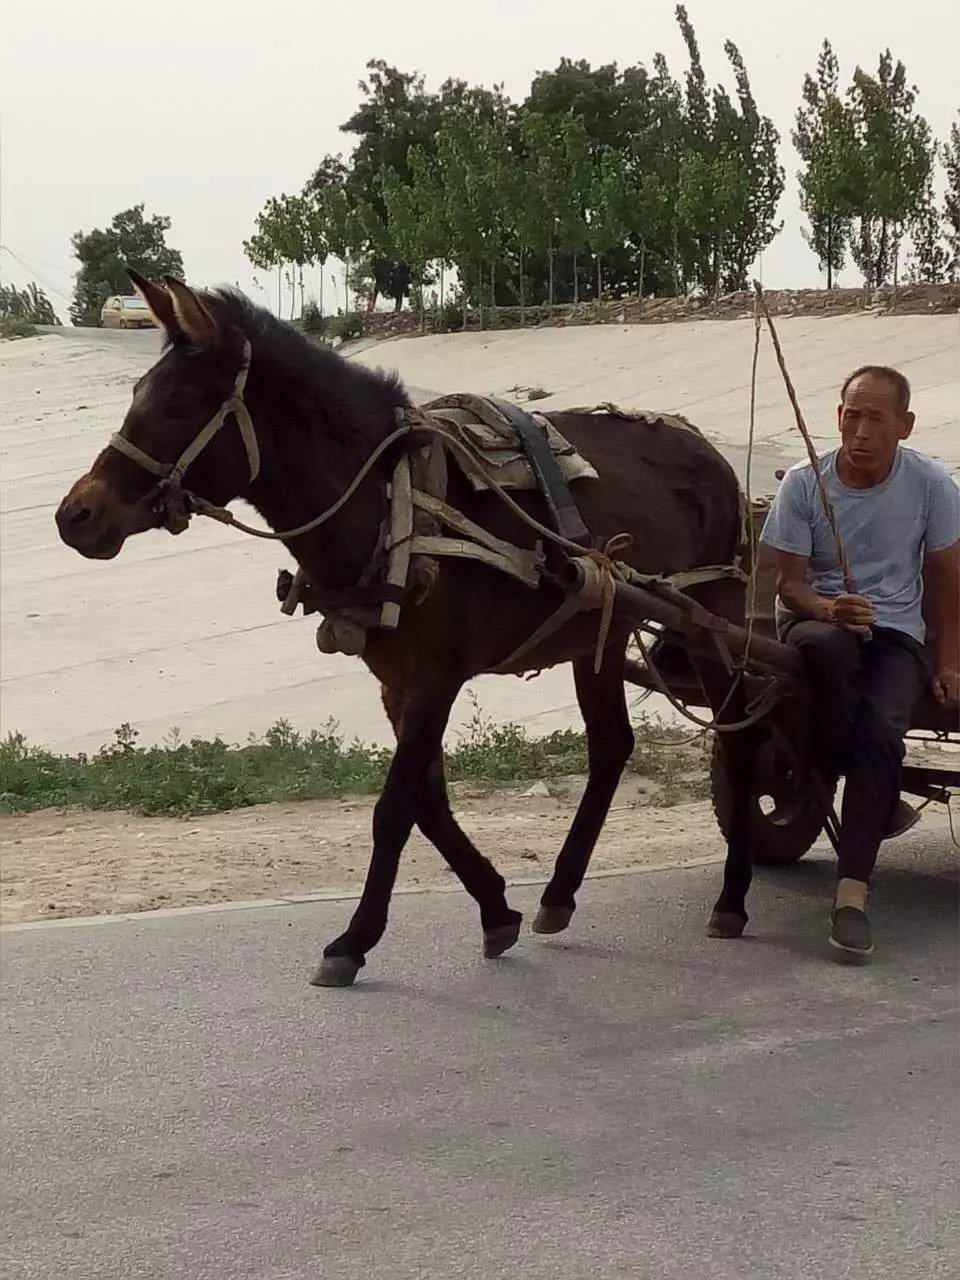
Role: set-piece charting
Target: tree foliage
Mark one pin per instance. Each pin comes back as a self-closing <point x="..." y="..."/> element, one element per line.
<point x="131" y="240"/>
<point x="825" y="141"/>
<point x="892" y="165"/>
<point x="951" y="163"/>
<point x="602" y="179"/>
<point x="607" y="180"/>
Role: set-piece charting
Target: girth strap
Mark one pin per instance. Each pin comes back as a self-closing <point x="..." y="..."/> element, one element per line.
<point x="563" y="509"/>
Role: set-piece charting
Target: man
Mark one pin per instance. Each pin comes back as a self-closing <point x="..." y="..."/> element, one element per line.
<point x="898" y="513"/>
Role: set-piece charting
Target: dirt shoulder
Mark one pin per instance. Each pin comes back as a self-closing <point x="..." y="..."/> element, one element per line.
<point x="57" y="864"/>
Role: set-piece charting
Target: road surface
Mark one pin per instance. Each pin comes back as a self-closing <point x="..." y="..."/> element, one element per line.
<point x="629" y="1100"/>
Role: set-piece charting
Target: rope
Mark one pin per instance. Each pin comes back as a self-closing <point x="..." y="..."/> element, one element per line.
<point x="767" y="699"/>
<point x="756" y="710"/>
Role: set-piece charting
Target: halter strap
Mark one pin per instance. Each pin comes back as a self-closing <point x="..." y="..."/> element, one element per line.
<point x="234" y="404"/>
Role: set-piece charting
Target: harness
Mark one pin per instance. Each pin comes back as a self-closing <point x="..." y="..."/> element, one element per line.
<point x="173" y="472"/>
<point x="412" y="536"/>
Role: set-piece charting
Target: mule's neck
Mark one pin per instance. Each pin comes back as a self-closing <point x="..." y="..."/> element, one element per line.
<point x="317" y="424"/>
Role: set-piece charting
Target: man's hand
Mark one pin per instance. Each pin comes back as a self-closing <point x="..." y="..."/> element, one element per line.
<point x="852" y="613"/>
<point x="946" y="688"/>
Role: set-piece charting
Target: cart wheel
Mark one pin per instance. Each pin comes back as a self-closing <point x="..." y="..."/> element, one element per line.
<point x="785" y="818"/>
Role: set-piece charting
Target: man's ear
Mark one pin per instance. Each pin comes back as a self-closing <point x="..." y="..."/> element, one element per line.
<point x="196" y="322"/>
<point x="909" y="419"/>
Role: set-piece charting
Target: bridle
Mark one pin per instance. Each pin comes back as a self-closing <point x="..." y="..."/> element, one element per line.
<point x="171" y="473"/>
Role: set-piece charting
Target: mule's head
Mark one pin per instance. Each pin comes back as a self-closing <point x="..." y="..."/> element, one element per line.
<point x="172" y="403"/>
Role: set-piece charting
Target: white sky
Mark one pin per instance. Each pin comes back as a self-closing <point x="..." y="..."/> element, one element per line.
<point x="204" y="109"/>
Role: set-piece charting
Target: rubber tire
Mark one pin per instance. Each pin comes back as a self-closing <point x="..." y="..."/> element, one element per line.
<point x="773" y="844"/>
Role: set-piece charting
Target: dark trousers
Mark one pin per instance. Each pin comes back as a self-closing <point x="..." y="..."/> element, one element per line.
<point x="865" y="692"/>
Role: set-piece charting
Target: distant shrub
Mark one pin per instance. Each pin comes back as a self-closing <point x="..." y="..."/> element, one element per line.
<point x="311" y="321"/>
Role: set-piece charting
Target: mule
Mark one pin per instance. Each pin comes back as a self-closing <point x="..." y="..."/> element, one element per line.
<point x="308" y="421"/>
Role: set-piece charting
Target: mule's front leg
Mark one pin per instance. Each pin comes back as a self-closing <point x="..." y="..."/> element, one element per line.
<point x="421" y="740"/>
<point x="501" y="926"/>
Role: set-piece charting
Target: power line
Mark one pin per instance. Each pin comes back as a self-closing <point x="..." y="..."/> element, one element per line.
<point x="53" y="266"/>
<point x="46" y="283"/>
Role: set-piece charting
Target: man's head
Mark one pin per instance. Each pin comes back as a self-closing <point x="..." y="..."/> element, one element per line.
<point x="874" y="416"/>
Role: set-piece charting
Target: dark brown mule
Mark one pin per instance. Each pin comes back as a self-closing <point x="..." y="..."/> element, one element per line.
<point x="316" y="419"/>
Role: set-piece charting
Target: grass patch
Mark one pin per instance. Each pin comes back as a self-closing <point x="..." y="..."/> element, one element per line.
<point x="10" y="328"/>
<point x="183" y="779"/>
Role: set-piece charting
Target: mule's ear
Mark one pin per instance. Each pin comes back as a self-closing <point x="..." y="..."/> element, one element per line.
<point x="195" y="321"/>
<point x="156" y="298"/>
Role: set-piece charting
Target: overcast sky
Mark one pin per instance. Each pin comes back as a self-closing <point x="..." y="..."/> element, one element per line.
<point x="203" y="109"/>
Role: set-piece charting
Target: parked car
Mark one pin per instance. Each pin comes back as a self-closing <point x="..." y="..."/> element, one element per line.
<point x="126" y="313"/>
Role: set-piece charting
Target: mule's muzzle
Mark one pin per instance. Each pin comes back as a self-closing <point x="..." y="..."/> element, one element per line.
<point x="92" y="521"/>
<point x="83" y="524"/>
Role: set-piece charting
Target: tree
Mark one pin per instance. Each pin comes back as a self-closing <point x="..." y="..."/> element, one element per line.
<point x="595" y="96"/>
<point x="729" y="180"/>
<point x="130" y="241"/>
<point x="575" y="186"/>
<point x="753" y="142"/>
<point x="893" y="163"/>
<point x="396" y="114"/>
<point x="951" y="163"/>
<point x="416" y="215"/>
<point x="473" y="166"/>
<point x="612" y="196"/>
<point x="930" y="258"/>
<point x="283" y="236"/>
<point x="544" y="149"/>
<point x="825" y="140"/>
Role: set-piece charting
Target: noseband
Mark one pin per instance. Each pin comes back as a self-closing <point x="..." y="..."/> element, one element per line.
<point x="171" y="473"/>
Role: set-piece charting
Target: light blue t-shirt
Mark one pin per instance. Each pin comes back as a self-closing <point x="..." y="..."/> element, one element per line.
<point x="886" y="532"/>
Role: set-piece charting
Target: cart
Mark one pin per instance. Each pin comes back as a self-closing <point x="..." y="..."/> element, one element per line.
<point x="792" y="802"/>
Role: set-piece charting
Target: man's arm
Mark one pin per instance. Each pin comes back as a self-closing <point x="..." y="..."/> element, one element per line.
<point x="941" y="587"/>
<point x="853" y="613"/>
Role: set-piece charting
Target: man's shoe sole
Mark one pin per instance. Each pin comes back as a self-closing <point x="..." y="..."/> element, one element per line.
<point x="851" y="953"/>
<point x="905" y="819"/>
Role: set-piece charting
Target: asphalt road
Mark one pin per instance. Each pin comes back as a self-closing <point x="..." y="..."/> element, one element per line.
<point x="630" y="1100"/>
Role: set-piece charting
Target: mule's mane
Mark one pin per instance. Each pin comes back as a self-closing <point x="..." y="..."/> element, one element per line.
<point x="321" y="391"/>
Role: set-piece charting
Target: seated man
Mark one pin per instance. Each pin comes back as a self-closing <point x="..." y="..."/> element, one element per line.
<point x="898" y="513"/>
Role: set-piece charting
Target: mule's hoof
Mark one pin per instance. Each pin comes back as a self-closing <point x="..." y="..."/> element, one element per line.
<point x="497" y="941"/>
<point x="552" y="919"/>
<point x="335" y="971"/>
<point x="726" y="924"/>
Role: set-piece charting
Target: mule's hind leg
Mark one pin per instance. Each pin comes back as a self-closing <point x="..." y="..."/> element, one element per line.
<point x="609" y="746"/>
<point x="421" y="738"/>
<point x="501" y="926"/>
<point x="729" y="916"/>
<point x="726" y="598"/>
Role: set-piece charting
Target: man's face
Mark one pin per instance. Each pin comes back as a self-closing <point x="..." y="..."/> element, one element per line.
<point x="872" y="424"/>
